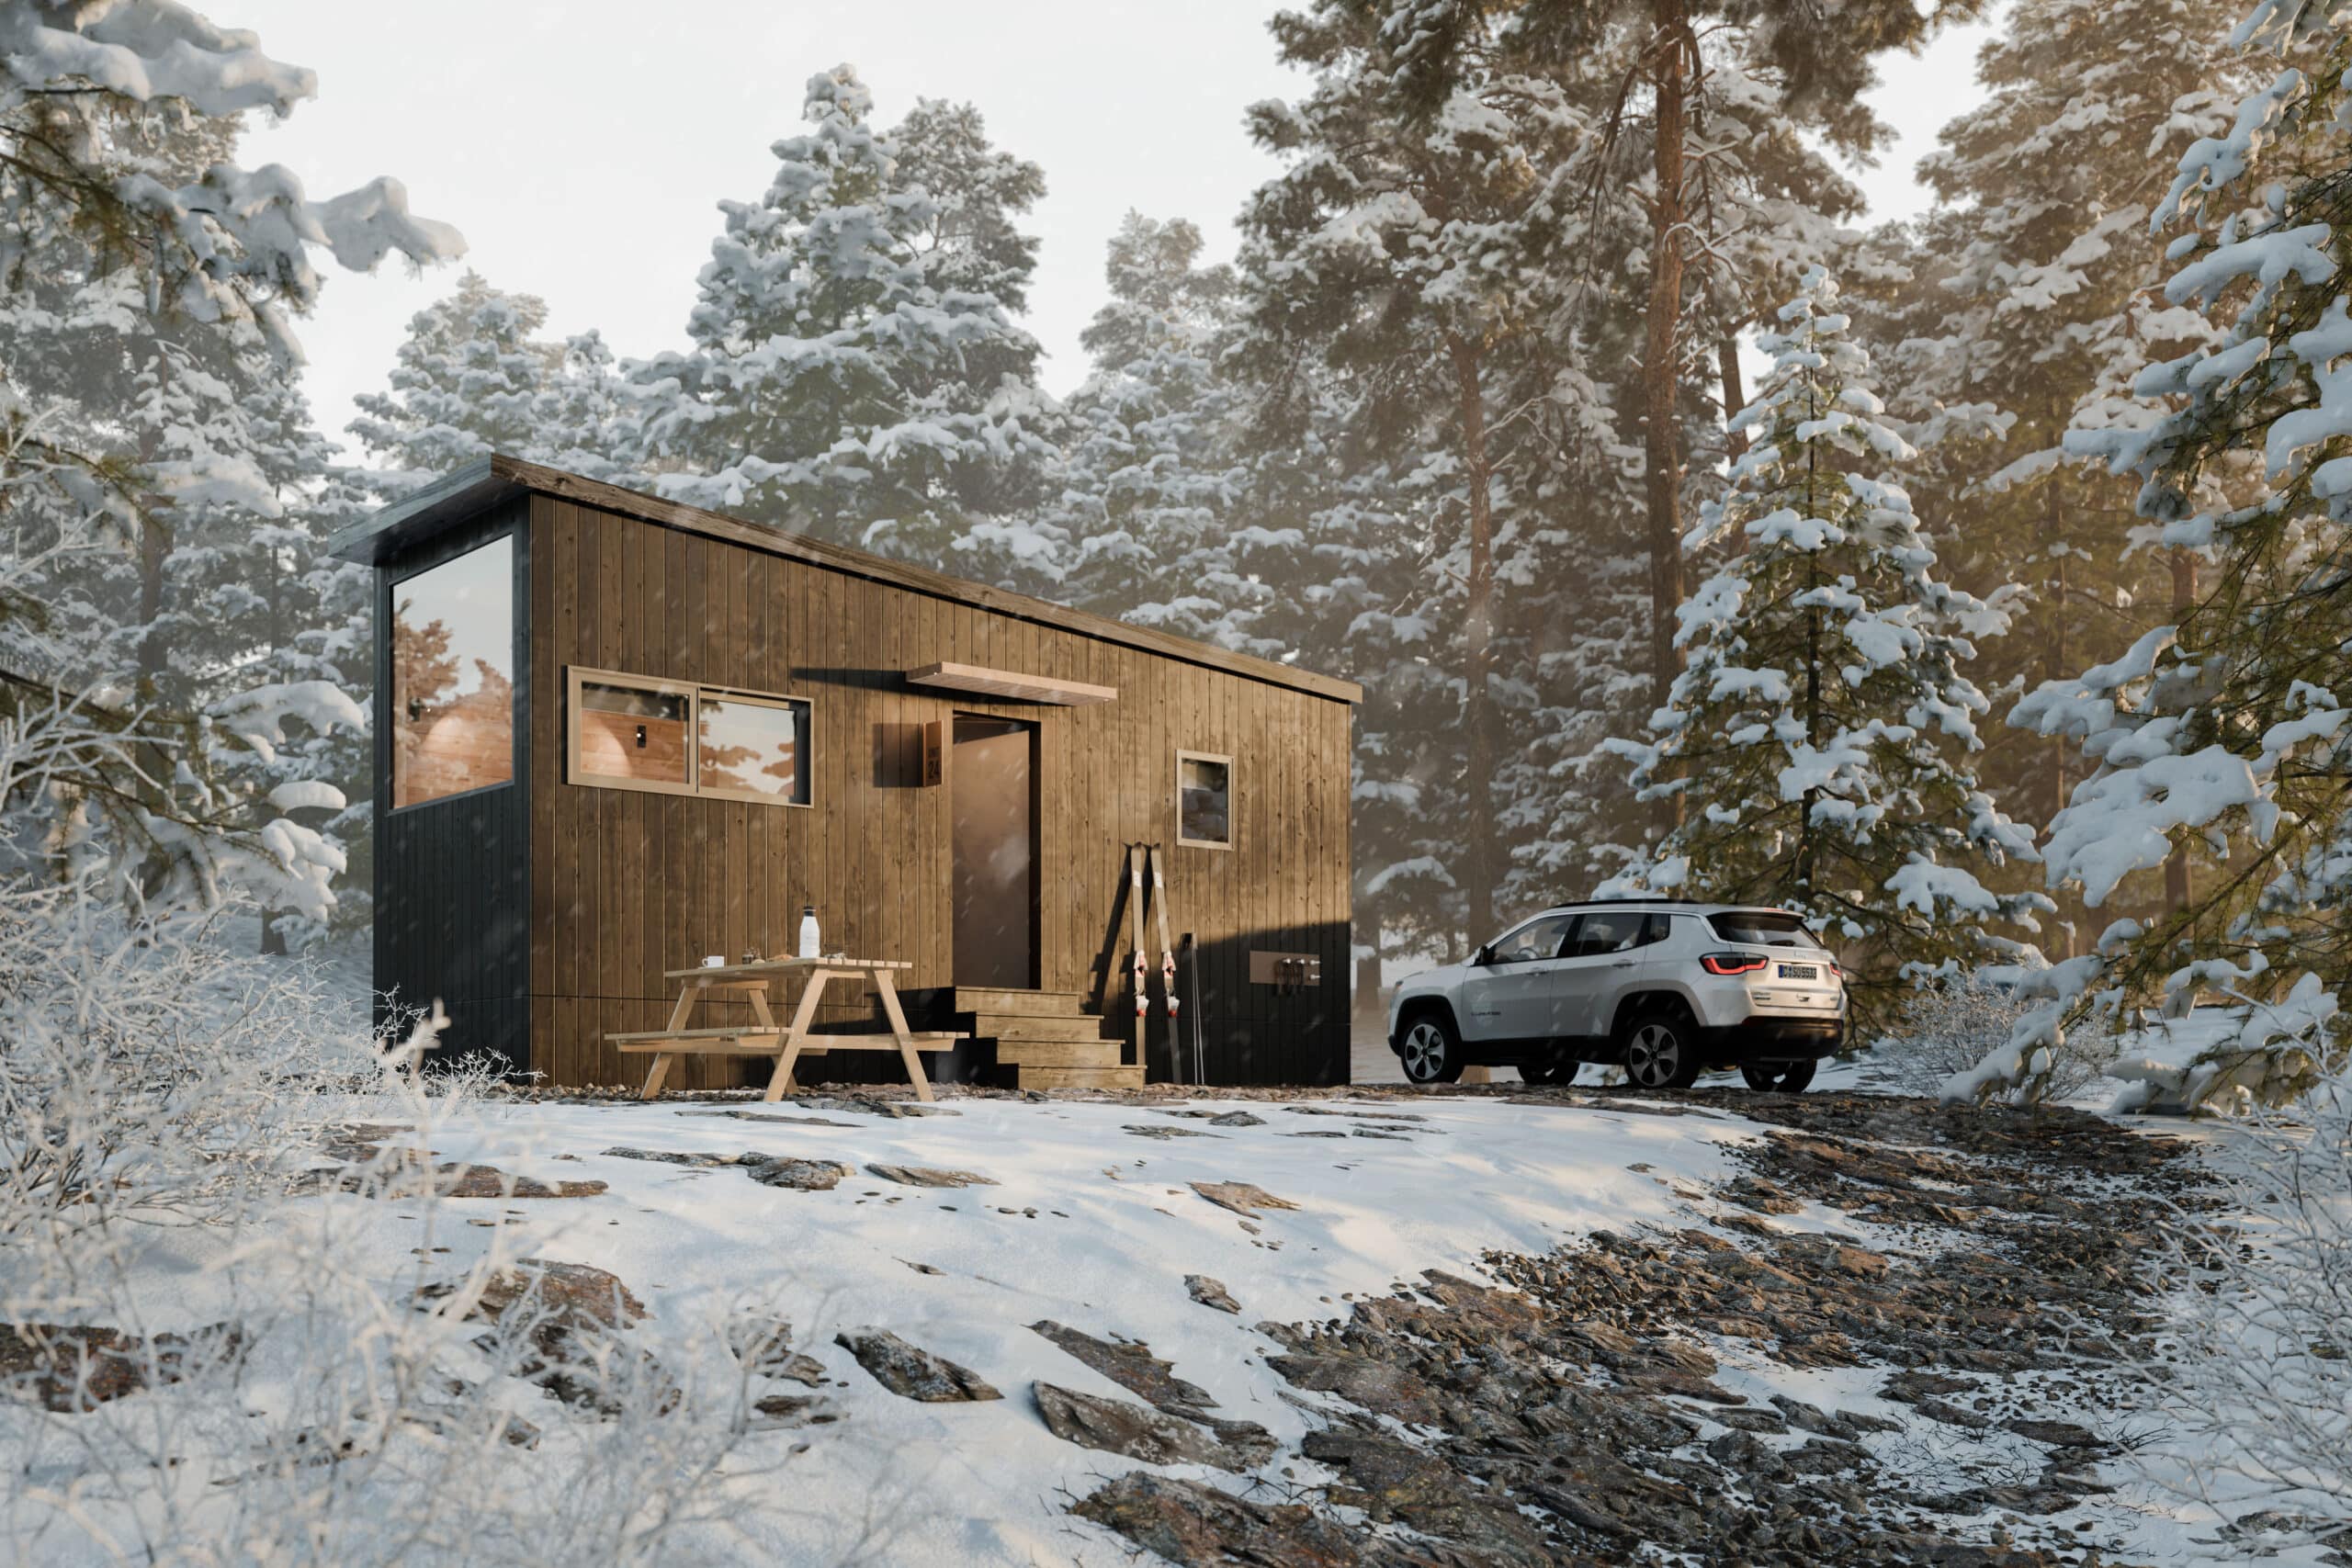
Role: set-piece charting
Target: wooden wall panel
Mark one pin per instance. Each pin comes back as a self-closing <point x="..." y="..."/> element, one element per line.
<point x="625" y="885"/>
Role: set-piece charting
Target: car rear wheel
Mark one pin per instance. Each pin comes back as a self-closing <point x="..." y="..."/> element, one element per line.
<point x="1660" y="1053"/>
<point x="1431" y="1053"/>
<point x="1777" y="1077"/>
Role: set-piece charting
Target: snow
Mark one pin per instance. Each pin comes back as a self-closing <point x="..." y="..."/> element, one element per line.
<point x="1116" y="1229"/>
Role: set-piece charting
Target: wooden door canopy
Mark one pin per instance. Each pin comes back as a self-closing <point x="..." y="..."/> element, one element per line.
<point x="1007" y="684"/>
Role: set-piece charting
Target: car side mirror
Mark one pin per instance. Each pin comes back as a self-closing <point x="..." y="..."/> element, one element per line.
<point x="1484" y="956"/>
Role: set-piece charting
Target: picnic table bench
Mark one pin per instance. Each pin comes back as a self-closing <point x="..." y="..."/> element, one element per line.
<point x="785" y="1045"/>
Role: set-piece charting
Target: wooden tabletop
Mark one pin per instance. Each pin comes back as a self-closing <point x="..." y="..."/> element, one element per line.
<point x="782" y="966"/>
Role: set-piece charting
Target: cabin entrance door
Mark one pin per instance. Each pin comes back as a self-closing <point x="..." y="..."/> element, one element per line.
<point x="992" y="786"/>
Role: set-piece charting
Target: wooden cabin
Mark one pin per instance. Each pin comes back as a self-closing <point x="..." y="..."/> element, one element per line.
<point x="617" y="736"/>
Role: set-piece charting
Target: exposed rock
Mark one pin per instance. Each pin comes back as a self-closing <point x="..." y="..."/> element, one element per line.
<point x="668" y="1156"/>
<point x="408" y="1178"/>
<point x="1236" y="1119"/>
<point x="1133" y="1367"/>
<point x="1210" y="1293"/>
<point x="1161" y="1130"/>
<point x="787" y="1410"/>
<point x="765" y="1346"/>
<point x="74" y="1368"/>
<point x="923" y="1175"/>
<point x="799" y="1175"/>
<point x="560" y="1325"/>
<point x="1240" y="1197"/>
<point x="1390" y="1479"/>
<point x="1196" y="1525"/>
<point x="914" y="1373"/>
<point x="1138" y="1431"/>
<point x="773" y="1116"/>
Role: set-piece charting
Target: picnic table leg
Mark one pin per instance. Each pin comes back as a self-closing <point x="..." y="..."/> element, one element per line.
<point x="780" y="1082"/>
<point x="891" y="1010"/>
<point x="654" y="1074"/>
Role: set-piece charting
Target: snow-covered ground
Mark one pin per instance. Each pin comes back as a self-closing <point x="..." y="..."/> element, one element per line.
<point x="1091" y="1224"/>
<point x="1088" y="1224"/>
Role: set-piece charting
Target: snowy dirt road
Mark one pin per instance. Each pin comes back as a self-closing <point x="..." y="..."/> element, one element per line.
<point x="1809" y="1328"/>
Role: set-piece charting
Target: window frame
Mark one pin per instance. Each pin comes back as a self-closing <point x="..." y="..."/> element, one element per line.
<point x="1184" y="756"/>
<point x="517" y="675"/>
<point x="576" y="676"/>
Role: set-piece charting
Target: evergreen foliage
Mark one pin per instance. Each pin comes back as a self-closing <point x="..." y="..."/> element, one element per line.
<point x="2229" y="728"/>
<point x="855" y="371"/>
<point x="1817" y="736"/>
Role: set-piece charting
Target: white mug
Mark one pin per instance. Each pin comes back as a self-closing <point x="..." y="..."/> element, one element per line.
<point x="714" y="961"/>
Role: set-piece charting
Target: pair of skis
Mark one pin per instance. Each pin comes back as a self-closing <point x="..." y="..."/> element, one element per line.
<point x="1138" y="857"/>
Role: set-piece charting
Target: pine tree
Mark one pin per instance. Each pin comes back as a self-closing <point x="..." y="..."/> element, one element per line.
<point x="470" y="378"/>
<point x="2034" y="308"/>
<point x="1153" y="520"/>
<point x="1705" y="118"/>
<point x="2230" y="727"/>
<point x="856" y="372"/>
<point x="149" y="281"/>
<point x="1812" y="734"/>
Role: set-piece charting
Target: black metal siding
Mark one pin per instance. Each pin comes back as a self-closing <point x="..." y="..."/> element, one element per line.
<point x="453" y="877"/>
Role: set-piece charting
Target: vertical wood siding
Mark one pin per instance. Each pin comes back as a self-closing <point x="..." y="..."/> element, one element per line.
<point x="625" y="885"/>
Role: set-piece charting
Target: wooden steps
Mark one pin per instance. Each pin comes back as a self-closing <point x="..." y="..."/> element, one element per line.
<point x="1081" y="1077"/>
<point x="1025" y="1004"/>
<point x="1043" y="1040"/>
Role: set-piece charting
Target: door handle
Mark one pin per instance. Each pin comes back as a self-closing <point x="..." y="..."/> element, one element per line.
<point x="1624" y="963"/>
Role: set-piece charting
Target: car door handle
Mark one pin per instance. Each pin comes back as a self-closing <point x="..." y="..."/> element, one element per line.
<point x="1624" y="963"/>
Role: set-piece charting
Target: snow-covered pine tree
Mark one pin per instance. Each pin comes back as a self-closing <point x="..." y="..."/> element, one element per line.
<point x="846" y="377"/>
<point x="2036" y="301"/>
<point x="2231" y="727"/>
<point x="149" y="281"/>
<point x="470" y="378"/>
<point x="1818" y="734"/>
<point x="1400" y="285"/>
<point x="1153" y="517"/>
<point x="1704" y="131"/>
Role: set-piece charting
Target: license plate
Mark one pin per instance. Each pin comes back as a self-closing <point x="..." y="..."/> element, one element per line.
<point x="1800" y="972"/>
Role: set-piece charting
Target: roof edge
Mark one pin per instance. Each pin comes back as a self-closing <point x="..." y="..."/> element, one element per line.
<point x="487" y="480"/>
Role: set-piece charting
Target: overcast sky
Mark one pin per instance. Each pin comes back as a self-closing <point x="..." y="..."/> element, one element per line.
<point x="581" y="147"/>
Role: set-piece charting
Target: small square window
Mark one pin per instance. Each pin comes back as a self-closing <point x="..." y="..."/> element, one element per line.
<point x="1204" y="800"/>
<point x="633" y="734"/>
<point x="752" y="749"/>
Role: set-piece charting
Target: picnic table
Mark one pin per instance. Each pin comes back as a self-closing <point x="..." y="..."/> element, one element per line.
<point x="764" y="1037"/>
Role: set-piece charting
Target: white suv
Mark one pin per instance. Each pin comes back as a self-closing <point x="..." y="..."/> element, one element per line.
<point x="1663" y="986"/>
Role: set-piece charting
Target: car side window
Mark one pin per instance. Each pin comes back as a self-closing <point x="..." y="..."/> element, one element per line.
<point x="1608" y="931"/>
<point x="1538" y="939"/>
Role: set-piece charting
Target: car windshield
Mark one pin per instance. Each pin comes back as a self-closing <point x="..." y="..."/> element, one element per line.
<point x="1763" y="929"/>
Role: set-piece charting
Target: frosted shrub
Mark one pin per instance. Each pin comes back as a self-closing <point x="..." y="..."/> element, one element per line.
<point x="1952" y="1025"/>
<point x="214" y="1357"/>
<point x="2261" y="1388"/>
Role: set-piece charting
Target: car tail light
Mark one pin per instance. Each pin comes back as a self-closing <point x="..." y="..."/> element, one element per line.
<point x="1732" y="963"/>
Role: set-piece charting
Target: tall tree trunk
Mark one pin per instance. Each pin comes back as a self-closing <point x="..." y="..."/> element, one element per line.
<point x="2057" y="668"/>
<point x="1735" y="399"/>
<point x="1481" y="873"/>
<point x="2177" y="884"/>
<point x="1674" y="55"/>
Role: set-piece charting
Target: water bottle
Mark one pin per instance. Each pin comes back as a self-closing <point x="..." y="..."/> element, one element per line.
<point x="809" y="940"/>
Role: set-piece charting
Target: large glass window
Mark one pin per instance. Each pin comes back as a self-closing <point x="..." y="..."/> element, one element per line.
<point x="1204" y="800"/>
<point x="675" y="738"/>
<point x="453" y="676"/>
